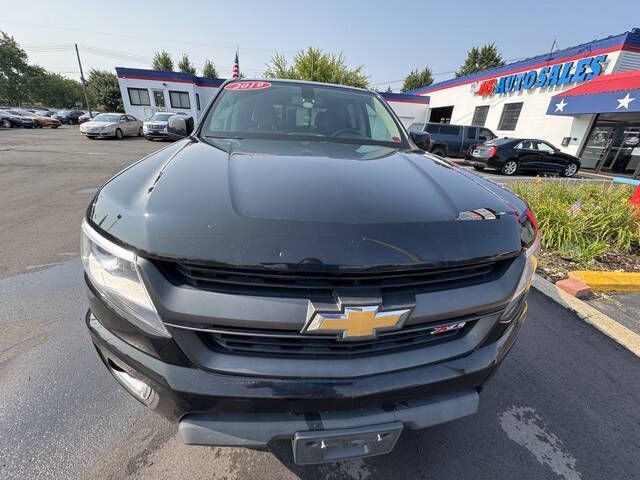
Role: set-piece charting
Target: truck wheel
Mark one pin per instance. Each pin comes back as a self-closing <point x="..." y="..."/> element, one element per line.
<point x="438" y="151"/>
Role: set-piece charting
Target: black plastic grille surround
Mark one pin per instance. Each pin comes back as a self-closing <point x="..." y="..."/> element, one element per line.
<point x="281" y="283"/>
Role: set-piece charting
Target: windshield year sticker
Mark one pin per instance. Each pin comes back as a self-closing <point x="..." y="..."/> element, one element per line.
<point x="247" y="86"/>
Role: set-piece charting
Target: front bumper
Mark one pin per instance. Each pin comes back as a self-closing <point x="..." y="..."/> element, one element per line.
<point x="156" y="134"/>
<point x="98" y="134"/>
<point x="237" y="410"/>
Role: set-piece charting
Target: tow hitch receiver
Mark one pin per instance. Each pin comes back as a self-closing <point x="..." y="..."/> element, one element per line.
<point x="335" y="445"/>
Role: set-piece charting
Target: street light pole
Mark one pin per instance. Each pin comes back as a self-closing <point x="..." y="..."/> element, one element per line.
<point x="84" y="86"/>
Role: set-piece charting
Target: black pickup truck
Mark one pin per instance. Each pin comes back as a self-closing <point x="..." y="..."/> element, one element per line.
<point x="452" y="140"/>
<point x="295" y="269"/>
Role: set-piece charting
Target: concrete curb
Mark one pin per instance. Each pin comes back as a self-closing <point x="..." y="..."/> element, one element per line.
<point x="612" y="329"/>
<point x="609" y="281"/>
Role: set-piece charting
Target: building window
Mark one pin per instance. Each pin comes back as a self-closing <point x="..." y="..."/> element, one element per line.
<point x="480" y="116"/>
<point x="198" y="100"/>
<point x="509" y="117"/>
<point x="139" y="96"/>
<point x="158" y="98"/>
<point x="179" y="99"/>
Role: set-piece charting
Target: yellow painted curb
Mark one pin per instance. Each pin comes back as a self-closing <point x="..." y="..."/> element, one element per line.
<point x="609" y="281"/>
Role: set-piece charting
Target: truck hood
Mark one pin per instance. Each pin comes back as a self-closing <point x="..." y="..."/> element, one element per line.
<point x="289" y="203"/>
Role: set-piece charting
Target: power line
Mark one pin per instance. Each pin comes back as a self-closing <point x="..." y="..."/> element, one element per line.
<point x="153" y="39"/>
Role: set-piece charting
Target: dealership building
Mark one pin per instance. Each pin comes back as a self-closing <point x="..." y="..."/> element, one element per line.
<point x="583" y="99"/>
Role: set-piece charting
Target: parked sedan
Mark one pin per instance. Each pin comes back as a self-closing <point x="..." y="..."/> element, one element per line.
<point x="156" y="126"/>
<point x="11" y="120"/>
<point x="69" y="117"/>
<point x="37" y="120"/>
<point x="112" y="125"/>
<point x="511" y="155"/>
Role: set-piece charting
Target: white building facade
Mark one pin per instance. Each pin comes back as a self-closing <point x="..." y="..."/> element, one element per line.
<point x="145" y="92"/>
<point x="536" y="98"/>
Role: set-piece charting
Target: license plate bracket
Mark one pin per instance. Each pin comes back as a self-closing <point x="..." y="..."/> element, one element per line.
<point x="342" y="444"/>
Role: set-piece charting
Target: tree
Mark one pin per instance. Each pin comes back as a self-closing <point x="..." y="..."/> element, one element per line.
<point x="184" y="65"/>
<point x="417" y="79"/>
<point x="13" y="71"/>
<point x="313" y="64"/>
<point x="52" y="89"/>
<point x="103" y="89"/>
<point x="162" y="61"/>
<point x="209" y="70"/>
<point x="479" y="59"/>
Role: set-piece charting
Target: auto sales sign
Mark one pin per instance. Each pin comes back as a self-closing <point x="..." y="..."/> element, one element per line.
<point x="561" y="74"/>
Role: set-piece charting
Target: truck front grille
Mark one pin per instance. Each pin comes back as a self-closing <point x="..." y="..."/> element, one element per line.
<point x="292" y="344"/>
<point x="281" y="283"/>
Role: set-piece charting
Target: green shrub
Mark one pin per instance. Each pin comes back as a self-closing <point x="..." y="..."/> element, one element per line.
<point x="605" y="223"/>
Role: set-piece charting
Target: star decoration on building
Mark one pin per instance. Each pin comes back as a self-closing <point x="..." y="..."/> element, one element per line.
<point x="624" y="101"/>
<point x="560" y="106"/>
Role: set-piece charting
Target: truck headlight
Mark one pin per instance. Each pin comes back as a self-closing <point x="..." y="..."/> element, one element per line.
<point x="531" y="239"/>
<point x="114" y="273"/>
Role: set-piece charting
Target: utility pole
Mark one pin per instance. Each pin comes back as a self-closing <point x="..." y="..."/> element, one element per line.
<point x="84" y="85"/>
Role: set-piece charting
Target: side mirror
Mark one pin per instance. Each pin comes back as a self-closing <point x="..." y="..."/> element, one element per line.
<point x="422" y="140"/>
<point x="179" y="127"/>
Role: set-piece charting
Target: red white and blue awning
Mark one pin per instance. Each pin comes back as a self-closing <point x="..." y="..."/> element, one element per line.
<point x="615" y="93"/>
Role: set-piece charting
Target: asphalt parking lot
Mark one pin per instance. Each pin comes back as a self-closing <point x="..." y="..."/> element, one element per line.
<point x="47" y="178"/>
<point x="563" y="406"/>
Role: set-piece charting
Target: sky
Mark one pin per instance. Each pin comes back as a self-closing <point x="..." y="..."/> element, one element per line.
<point x="387" y="38"/>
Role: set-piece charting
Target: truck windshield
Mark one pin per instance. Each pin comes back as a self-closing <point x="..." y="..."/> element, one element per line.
<point x="300" y="111"/>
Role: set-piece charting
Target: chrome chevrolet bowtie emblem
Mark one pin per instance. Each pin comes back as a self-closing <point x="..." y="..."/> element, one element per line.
<point x="356" y="323"/>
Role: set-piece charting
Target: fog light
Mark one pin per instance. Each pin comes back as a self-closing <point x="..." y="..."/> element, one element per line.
<point x="133" y="385"/>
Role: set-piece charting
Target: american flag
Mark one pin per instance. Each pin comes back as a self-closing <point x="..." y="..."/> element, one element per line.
<point x="576" y="207"/>
<point x="236" y="67"/>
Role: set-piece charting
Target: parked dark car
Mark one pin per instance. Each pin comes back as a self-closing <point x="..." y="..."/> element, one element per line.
<point x="515" y="155"/>
<point x="296" y="268"/>
<point x="10" y="118"/>
<point x="68" y="117"/>
<point x="449" y="140"/>
<point x="85" y="117"/>
<point x="39" y="121"/>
